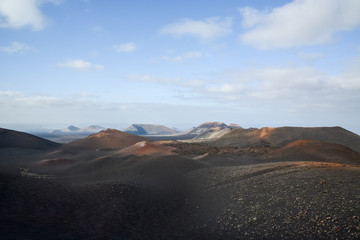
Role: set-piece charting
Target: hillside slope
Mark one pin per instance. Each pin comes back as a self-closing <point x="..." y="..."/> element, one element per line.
<point x="314" y="150"/>
<point x="105" y="139"/>
<point x="279" y="137"/>
<point x="14" y="139"/>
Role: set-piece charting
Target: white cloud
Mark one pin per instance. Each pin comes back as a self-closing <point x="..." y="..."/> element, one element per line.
<point x="273" y="87"/>
<point x="96" y="29"/>
<point x="350" y="78"/>
<point x="81" y="65"/>
<point x="125" y="47"/>
<point x="301" y="22"/>
<point x="15" y="47"/>
<point x="85" y="95"/>
<point x="209" y="28"/>
<point x="293" y="87"/>
<point x="22" y="13"/>
<point x="9" y="94"/>
<point x="153" y="79"/>
<point x="183" y="57"/>
<point x="226" y="88"/>
<point x="310" y="56"/>
<point x="275" y="95"/>
<point x="271" y="83"/>
<point x="174" y="82"/>
<point x="18" y="107"/>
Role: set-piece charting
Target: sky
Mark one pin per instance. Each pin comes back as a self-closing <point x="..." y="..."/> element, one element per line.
<point x="179" y="63"/>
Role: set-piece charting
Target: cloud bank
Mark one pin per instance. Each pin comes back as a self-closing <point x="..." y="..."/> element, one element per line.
<point x="183" y="57"/>
<point x="16" y="14"/>
<point x="274" y="87"/>
<point x="15" y="47"/>
<point x="125" y="47"/>
<point x="299" y="23"/>
<point x="81" y="65"/>
<point x="207" y="29"/>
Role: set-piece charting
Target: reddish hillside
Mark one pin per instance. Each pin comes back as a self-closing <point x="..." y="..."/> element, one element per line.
<point x="15" y="139"/>
<point x="281" y="136"/>
<point x="147" y="148"/>
<point x="313" y="150"/>
<point x="109" y="138"/>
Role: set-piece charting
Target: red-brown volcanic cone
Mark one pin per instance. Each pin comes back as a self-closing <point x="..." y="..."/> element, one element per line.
<point x="313" y="150"/>
<point x="106" y="139"/>
<point x="147" y="148"/>
<point x="279" y="137"/>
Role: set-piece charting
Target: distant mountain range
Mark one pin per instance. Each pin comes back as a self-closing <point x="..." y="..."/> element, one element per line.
<point x="210" y="130"/>
<point x="150" y="129"/>
<point x="75" y="130"/>
<point x="207" y="130"/>
<point x="291" y="139"/>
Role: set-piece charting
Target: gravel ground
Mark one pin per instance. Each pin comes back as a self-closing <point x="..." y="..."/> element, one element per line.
<point x="181" y="198"/>
<point x="279" y="201"/>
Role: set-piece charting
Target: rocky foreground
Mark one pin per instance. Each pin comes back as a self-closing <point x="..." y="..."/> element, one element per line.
<point x="305" y="189"/>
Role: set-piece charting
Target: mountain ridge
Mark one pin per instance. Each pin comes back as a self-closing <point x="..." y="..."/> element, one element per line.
<point x="76" y="130"/>
<point x="281" y="136"/>
<point x="150" y="129"/>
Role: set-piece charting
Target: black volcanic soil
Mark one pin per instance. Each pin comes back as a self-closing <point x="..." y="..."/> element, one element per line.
<point x="178" y="198"/>
<point x="304" y="189"/>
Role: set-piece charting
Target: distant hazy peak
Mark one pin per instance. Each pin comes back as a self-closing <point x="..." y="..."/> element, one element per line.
<point x="212" y="124"/>
<point x="110" y="130"/>
<point x="93" y="128"/>
<point x="234" y="125"/>
<point x="149" y="129"/>
<point x="72" y="128"/>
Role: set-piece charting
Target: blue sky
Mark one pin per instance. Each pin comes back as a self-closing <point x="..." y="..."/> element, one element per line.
<point x="179" y="63"/>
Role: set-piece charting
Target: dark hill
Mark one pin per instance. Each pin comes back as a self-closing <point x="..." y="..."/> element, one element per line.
<point x="15" y="139"/>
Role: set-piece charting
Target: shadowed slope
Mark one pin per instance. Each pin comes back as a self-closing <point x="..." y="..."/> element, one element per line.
<point x="15" y="139"/>
<point x="109" y="138"/>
